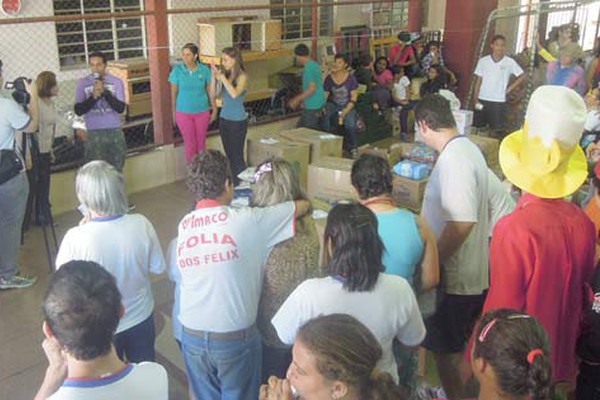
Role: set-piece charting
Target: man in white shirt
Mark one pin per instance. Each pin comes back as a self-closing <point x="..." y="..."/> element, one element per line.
<point x="456" y="207"/>
<point x="82" y="309"/>
<point x="221" y="254"/>
<point x="492" y="75"/>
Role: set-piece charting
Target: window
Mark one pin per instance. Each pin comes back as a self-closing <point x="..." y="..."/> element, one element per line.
<point x="117" y="38"/>
<point x="297" y="21"/>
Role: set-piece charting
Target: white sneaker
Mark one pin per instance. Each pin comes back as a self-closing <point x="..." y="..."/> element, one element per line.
<point x="17" y="282"/>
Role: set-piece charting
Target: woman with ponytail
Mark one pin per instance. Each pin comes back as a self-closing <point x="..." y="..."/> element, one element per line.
<point x="511" y="357"/>
<point x="334" y="357"/>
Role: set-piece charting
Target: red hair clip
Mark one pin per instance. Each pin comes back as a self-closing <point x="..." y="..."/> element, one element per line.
<point x="533" y="354"/>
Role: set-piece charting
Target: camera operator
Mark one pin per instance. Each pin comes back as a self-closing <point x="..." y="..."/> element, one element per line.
<point x="14" y="191"/>
<point x="100" y="99"/>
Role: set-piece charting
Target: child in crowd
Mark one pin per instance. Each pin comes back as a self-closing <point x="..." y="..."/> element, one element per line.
<point x="335" y="357"/>
<point x="511" y="357"/>
<point x="81" y="310"/>
<point x="400" y="97"/>
<point x="591" y="128"/>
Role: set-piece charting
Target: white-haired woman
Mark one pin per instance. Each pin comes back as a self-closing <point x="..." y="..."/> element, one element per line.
<point x="289" y="264"/>
<point x="124" y="244"/>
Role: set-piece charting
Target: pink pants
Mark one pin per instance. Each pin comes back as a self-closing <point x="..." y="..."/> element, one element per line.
<point x="193" y="128"/>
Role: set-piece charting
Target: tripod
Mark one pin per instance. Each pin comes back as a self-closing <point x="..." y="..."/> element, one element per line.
<point x="38" y="198"/>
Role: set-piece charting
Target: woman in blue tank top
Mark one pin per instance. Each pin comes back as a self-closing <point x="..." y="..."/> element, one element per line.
<point x="230" y="81"/>
<point x="410" y="246"/>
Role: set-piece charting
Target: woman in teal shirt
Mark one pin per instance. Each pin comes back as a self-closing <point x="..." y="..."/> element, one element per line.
<point x="192" y="97"/>
<point x="230" y="80"/>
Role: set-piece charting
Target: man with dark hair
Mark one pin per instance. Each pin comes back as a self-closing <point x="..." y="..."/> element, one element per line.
<point x="492" y="76"/>
<point x="13" y="187"/>
<point x="81" y="310"/>
<point x="456" y="208"/>
<point x="100" y="98"/>
<point x="313" y="95"/>
<point x="221" y="254"/>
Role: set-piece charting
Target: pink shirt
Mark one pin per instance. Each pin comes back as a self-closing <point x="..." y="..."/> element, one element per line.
<point x="400" y="56"/>
<point x="385" y="78"/>
<point x="541" y="256"/>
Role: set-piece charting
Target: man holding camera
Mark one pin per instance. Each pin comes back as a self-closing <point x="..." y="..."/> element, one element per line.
<point x="13" y="186"/>
<point x="100" y="99"/>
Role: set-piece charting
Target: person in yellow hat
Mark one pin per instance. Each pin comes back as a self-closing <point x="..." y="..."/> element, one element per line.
<point x="542" y="254"/>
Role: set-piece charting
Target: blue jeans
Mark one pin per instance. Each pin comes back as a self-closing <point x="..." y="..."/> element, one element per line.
<point x="136" y="344"/>
<point x="350" y="124"/>
<point x="13" y="200"/>
<point x="223" y="369"/>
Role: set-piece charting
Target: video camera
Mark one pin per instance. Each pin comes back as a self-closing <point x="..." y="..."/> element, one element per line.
<point x="19" y="94"/>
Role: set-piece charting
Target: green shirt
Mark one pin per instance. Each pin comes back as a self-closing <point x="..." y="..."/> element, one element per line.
<point x="312" y="73"/>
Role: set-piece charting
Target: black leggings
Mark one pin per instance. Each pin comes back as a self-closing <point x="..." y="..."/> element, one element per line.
<point x="233" y="137"/>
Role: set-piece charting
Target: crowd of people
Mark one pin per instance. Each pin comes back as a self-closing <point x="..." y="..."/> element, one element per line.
<point x="496" y="291"/>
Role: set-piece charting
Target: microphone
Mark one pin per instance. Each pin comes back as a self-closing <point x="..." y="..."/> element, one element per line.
<point x="96" y="76"/>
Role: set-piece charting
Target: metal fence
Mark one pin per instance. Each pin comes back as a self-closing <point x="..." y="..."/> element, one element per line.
<point x="59" y="35"/>
<point x="532" y="24"/>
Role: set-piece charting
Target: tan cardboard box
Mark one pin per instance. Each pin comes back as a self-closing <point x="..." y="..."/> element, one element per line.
<point x="391" y="149"/>
<point x="408" y="193"/>
<point x="490" y="147"/>
<point x="329" y="180"/>
<point x="297" y="154"/>
<point x="322" y="144"/>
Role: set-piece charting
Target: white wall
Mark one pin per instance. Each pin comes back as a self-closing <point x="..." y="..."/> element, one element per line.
<point x="436" y="15"/>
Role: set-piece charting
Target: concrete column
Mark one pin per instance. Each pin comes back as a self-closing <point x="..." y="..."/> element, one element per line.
<point x="157" y="29"/>
<point x="415" y="15"/>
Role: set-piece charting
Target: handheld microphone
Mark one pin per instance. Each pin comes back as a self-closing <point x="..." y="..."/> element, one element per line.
<point x="96" y="76"/>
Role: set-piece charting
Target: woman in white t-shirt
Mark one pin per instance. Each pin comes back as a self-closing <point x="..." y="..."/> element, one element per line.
<point x="126" y="245"/>
<point x="356" y="286"/>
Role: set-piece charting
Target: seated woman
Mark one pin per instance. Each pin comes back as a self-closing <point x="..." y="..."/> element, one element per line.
<point x="334" y="357"/>
<point x="410" y="245"/>
<point x="435" y="81"/>
<point x="289" y="263"/>
<point x="381" y="84"/>
<point x="511" y="357"/>
<point x="356" y="286"/>
<point x="341" y="91"/>
<point x="434" y="58"/>
<point x="126" y="245"/>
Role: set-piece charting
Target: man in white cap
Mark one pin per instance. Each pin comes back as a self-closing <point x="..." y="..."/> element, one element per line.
<point x="542" y="254"/>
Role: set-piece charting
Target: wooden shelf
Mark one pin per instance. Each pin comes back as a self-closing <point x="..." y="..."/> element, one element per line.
<point x="250" y="56"/>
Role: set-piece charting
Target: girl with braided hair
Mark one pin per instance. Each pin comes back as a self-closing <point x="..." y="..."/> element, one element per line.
<point x="511" y="357"/>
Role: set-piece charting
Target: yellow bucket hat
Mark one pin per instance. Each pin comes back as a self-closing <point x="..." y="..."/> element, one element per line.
<point x="544" y="158"/>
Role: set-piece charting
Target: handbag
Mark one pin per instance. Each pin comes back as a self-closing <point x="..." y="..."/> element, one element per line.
<point x="10" y="165"/>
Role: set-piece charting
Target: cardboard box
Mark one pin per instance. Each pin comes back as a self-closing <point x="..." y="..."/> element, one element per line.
<point x="329" y="180"/>
<point x="490" y="148"/>
<point x="297" y="154"/>
<point x="408" y="193"/>
<point x="390" y="149"/>
<point x="464" y="120"/>
<point x="322" y="144"/>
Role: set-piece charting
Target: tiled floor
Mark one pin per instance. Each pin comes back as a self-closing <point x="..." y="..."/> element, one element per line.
<point x="22" y="361"/>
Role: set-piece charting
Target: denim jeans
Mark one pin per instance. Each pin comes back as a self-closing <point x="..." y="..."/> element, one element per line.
<point x="350" y="124"/>
<point x="233" y="137"/>
<point x="13" y="200"/>
<point x="312" y="119"/>
<point x="223" y="369"/>
<point x="136" y="344"/>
